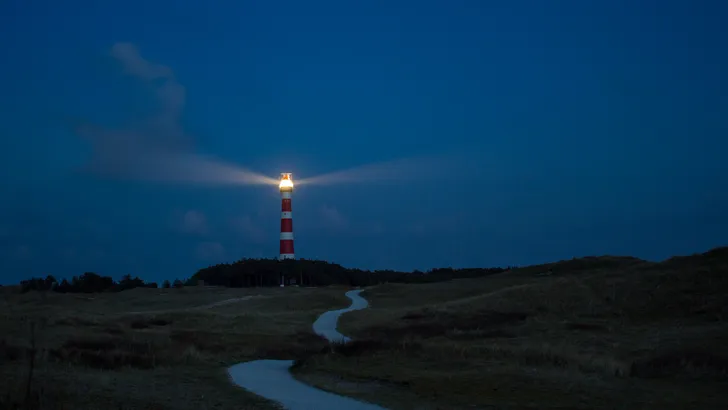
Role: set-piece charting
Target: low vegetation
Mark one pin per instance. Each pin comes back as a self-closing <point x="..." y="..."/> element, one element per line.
<point x="149" y="348"/>
<point x="586" y="333"/>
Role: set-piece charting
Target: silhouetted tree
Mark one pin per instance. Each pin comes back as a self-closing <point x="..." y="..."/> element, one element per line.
<point x="91" y="282"/>
<point x="50" y="282"/>
<point x="268" y="272"/>
<point x="63" y="287"/>
<point x="259" y="272"/>
<point x="127" y="282"/>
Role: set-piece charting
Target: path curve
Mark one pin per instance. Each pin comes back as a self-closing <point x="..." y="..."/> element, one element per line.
<point x="325" y="325"/>
<point x="273" y="380"/>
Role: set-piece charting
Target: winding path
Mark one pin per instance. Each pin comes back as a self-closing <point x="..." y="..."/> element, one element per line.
<point x="272" y="379"/>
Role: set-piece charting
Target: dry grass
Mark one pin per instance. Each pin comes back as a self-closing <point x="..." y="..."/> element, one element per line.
<point x="92" y="353"/>
<point x="592" y="333"/>
<point x="586" y="333"/>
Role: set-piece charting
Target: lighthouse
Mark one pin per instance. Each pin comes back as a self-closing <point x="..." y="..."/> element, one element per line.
<point x="286" y="188"/>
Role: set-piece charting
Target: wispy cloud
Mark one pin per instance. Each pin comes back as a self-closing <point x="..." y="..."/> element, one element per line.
<point x="16" y="252"/>
<point x="81" y="254"/>
<point x="374" y="228"/>
<point x="249" y="229"/>
<point x="22" y="252"/>
<point x="210" y="251"/>
<point x="157" y="149"/>
<point x="191" y="222"/>
<point x="332" y="219"/>
<point x="134" y="64"/>
<point x="443" y="224"/>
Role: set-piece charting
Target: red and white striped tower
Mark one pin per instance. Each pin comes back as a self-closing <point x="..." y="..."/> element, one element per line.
<point x="286" y="187"/>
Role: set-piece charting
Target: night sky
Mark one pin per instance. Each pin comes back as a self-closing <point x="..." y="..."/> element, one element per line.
<point x="542" y="130"/>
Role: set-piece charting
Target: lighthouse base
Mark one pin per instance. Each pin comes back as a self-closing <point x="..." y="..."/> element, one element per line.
<point x="286" y="256"/>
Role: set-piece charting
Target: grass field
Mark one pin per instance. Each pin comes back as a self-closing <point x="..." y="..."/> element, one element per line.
<point x="150" y="348"/>
<point x="586" y="333"/>
<point x="590" y="333"/>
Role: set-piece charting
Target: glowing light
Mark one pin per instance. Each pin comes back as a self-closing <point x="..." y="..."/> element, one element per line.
<point x="286" y="181"/>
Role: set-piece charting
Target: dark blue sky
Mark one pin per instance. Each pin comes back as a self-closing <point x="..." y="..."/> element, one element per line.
<point x="581" y="128"/>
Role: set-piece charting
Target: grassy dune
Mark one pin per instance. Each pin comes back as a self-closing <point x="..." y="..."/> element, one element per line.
<point x="92" y="353"/>
<point x="587" y="333"/>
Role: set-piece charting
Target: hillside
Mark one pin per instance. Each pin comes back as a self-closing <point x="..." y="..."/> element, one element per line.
<point x="588" y="333"/>
<point x="145" y="348"/>
<point x="600" y="332"/>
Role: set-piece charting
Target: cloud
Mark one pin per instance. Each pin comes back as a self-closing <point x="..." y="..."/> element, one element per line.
<point x="22" y="252"/>
<point x="249" y="229"/>
<point x="374" y="228"/>
<point x="133" y="62"/>
<point x="171" y="95"/>
<point x="191" y="222"/>
<point x="418" y="228"/>
<point x="331" y="218"/>
<point x="443" y="224"/>
<point x="210" y="251"/>
<point x="82" y="254"/>
<point x="68" y="254"/>
<point x="157" y="149"/>
<point x="18" y="252"/>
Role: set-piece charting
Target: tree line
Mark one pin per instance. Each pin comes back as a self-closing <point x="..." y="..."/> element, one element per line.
<point x="304" y="272"/>
<point x="258" y="273"/>
<point x="91" y="282"/>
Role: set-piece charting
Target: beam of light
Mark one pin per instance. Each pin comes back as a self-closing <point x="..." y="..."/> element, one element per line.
<point x="199" y="169"/>
<point x="406" y="170"/>
<point x="129" y="155"/>
<point x="159" y="150"/>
